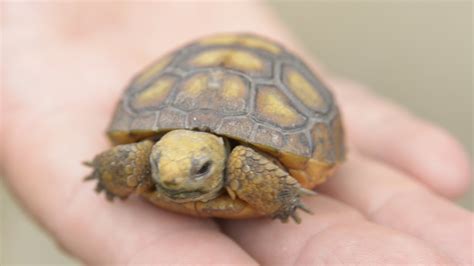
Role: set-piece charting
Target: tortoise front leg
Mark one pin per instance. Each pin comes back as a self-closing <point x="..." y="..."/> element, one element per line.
<point x="122" y="169"/>
<point x="264" y="185"/>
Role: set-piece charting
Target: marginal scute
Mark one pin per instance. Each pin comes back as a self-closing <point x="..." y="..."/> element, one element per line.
<point x="240" y="60"/>
<point x="144" y="122"/>
<point x="153" y="70"/>
<point x="323" y="144"/>
<point x="297" y="143"/>
<point x="338" y="138"/>
<point x="153" y="96"/>
<point x="318" y="172"/>
<point x="118" y="131"/>
<point x="238" y="127"/>
<point x="303" y="89"/>
<point x="273" y="106"/>
<point x="292" y="161"/>
<point x="170" y="118"/>
<point x="122" y="119"/>
<point x="272" y="151"/>
<point x="119" y="137"/>
<point x="204" y="120"/>
<point x="269" y="137"/>
<point x="306" y="179"/>
<point x="214" y="90"/>
<point x="129" y="136"/>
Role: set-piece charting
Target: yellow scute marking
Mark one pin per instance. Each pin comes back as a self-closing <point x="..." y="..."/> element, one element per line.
<point x="244" y="61"/>
<point x="196" y="85"/>
<point x="155" y="94"/>
<point x="304" y="90"/>
<point x="151" y="71"/>
<point x="221" y="39"/>
<point x="230" y="58"/>
<point x="272" y="105"/>
<point x="260" y="44"/>
<point x="234" y="88"/>
<point x="211" y="58"/>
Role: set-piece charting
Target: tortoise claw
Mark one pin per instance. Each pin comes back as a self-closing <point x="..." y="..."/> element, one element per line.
<point x="306" y="192"/>
<point x="88" y="163"/>
<point x="290" y="210"/>
<point x="304" y="208"/>
<point x="99" y="187"/>
<point x="94" y="174"/>
<point x="294" y="215"/>
<point x="89" y="177"/>
<point x="109" y="195"/>
<point x="283" y="215"/>
<point x="283" y="219"/>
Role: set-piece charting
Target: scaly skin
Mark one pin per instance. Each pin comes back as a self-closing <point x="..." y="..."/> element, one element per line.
<point x="256" y="185"/>
<point x="265" y="185"/>
<point x="122" y="169"/>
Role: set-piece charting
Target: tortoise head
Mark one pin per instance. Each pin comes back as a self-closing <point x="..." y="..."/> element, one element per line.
<point x="188" y="165"/>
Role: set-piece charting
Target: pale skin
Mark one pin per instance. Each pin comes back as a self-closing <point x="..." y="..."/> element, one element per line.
<point x="66" y="66"/>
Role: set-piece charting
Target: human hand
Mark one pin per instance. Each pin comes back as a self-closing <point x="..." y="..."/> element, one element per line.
<point x="66" y="69"/>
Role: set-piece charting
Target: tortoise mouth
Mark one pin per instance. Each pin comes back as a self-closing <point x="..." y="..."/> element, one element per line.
<point x="182" y="196"/>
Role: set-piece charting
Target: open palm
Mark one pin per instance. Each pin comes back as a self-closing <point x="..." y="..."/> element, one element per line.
<point x="65" y="69"/>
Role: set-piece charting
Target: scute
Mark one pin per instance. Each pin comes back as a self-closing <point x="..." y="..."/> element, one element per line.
<point x="236" y="59"/>
<point x="150" y="72"/>
<point x="144" y="122"/>
<point x="215" y="90"/>
<point x="298" y="143"/>
<point x="204" y="120"/>
<point x="301" y="87"/>
<point x="244" y="87"/>
<point x="153" y="96"/>
<point x="240" y="127"/>
<point x="246" y="40"/>
<point x="274" y="107"/>
<point x="268" y="137"/>
<point x="171" y="118"/>
<point x="338" y="138"/>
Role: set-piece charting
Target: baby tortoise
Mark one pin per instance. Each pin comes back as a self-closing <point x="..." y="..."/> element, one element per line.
<point x="229" y="126"/>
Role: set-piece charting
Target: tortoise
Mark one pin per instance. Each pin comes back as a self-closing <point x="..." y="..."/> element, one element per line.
<point x="229" y="126"/>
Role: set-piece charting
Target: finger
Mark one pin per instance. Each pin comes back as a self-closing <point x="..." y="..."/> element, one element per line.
<point x="54" y="122"/>
<point x="134" y="232"/>
<point x="49" y="182"/>
<point x="384" y="131"/>
<point x="50" y="185"/>
<point x="335" y="234"/>
<point x="391" y="198"/>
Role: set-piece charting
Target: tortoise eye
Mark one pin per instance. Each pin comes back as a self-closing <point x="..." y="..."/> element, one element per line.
<point x="204" y="169"/>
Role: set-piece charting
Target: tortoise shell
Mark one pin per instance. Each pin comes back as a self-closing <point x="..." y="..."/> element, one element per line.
<point x="243" y="87"/>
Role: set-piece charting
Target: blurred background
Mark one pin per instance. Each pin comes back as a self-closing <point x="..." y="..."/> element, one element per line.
<point x="416" y="53"/>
